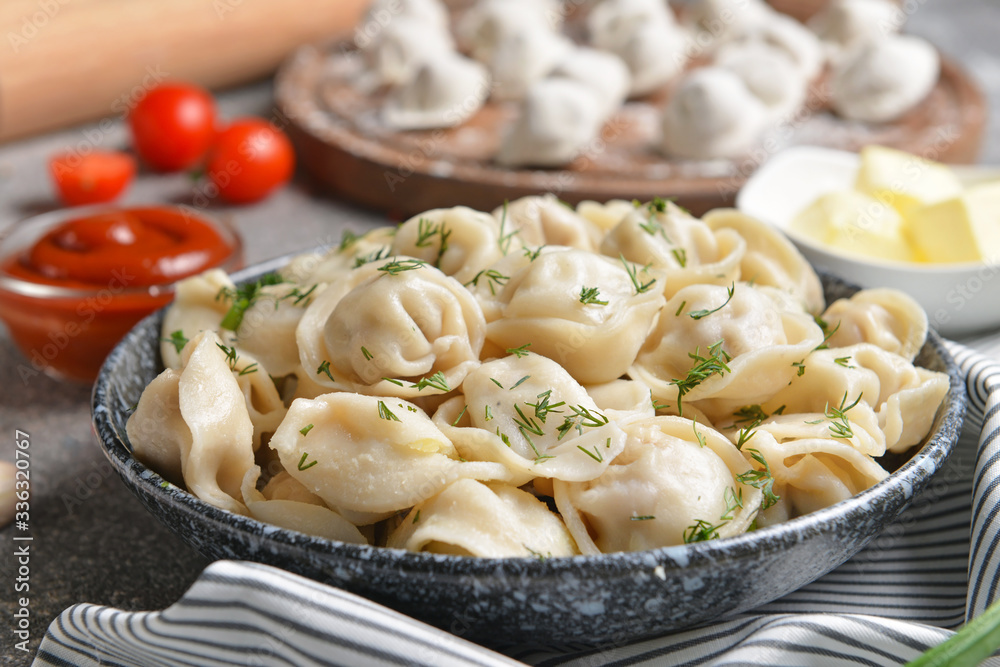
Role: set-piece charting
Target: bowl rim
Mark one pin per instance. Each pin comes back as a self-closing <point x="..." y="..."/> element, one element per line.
<point x="916" y="471"/>
<point x="39" y="224"/>
<point x="765" y="179"/>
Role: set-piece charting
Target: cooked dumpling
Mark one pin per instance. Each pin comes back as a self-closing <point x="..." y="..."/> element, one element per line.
<point x="604" y="73"/>
<point x="337" y="262"/>
<point x="370" y="454"/>
<point x="590" y="313"/>
<point x="882" y="80"/>
<point x="843" y="25"/>
<point x="622" y="399"/>
<point x="606" y="215"/>
<point x="888" y="318"/>
<point x="557" y="120"/>
<point x="770" y="259"/>
<point x="405" y="330"/>
<point x="293" y="514"/>
<point x="544" y="220"/>
<point x="446" y="90"/>
<point x="459" y="241"/>
<point x="645" y="36"/>
<point x="769" y="74"/>
<point x="470" y="518"/>
<point x="526" y="412"/>
<point x="216" y="441"/>
<point x="712" y="114"/>
<point x="675" y="482"/>
<point x="156" y="429"/>
<point x="664" y="236"/>
<point x="200" y="303"/>
<point x="744" y="342"/>
<point x="400" y="48"/>
<point x="810" y="473"/>
<point x="267" y="329"/>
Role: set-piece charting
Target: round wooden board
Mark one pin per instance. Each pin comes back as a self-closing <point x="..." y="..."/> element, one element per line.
<point x="342" y="143"/>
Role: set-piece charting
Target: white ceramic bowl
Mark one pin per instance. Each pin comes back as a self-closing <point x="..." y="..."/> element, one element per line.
<point x="959" y="299"/>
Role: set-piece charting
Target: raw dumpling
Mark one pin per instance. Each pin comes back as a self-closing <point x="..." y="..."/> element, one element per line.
<point x="788" y="36"/>
<point x="524" y="58"/>
<point x="604" y="73"/>
<point x="770" y="260"/>
<point x="846" y="24"/>
<point x="715" y="21"/>
<point x="470" y="518"/>
<point x="645" y="36"/>
<point x="664" y="236"/>
<point x="557" y="120"/>
<point x="459" y="241"/>
<point x="527" y="413"/>
<point x="712" y="114"/>
<point x="405" y="330"/>
<point x="445" y="91"/>
<point x="882" y="80"/>
<point x="305" y="517"/>
<point x="383" y="12"/>
<point x="587" y="312"/>
<point x="400" y="48"/>
<point x="544" y="220"/>
<point x="744" y="341"/>
<point x="489" y="23"/>
<point x="370" y="454"/>
<point x="769" y="74"/>
<point x="675" y="483"/>
<point x="200" y="303"/>
<point x="888" y="318"/>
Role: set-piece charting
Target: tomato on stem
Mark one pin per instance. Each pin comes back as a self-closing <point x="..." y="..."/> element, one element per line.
<point x="173" y="126"/>
<point x="250" y="159"/>
<point x="95" y="178"/>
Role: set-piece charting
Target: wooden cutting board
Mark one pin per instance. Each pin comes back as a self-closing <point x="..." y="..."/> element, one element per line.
<point x="67" y="61"/>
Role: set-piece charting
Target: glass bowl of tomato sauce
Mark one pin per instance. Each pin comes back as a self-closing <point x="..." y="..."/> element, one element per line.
<point x="73" y="282"/>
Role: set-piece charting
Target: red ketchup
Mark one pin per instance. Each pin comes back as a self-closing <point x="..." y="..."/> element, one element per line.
<point x="108" y="271"/>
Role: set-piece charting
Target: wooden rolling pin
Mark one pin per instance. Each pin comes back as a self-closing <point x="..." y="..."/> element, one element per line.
<point x="67" y="61"/>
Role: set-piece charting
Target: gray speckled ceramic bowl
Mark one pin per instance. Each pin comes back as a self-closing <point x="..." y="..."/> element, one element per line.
<point x="599" y="600"/>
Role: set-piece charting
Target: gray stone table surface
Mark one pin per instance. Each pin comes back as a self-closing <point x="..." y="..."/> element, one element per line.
<point x="93" y="542"/>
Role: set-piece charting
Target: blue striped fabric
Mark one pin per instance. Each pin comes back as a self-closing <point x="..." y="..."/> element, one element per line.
<point x="928" y="573"/>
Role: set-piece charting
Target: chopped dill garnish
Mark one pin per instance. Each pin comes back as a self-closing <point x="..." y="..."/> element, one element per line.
<point x="302" y="462"/>
<point x="699" y="314"/>
<point x="398" y="266"/>
<point x="543" y="407"/>
<point x="416" y="517"/>
<point x="845" y="362"/>
<point x="373" y="256"/>
<point x="840" y="426"/>
<point x="733" y="500"/>
<point x="437" y="381"/>
<point x="495" y="279"/>
<point x="347" y="239"/>
<point x="704" y="368"/>
<point x="385" y="413"/>
<point x="640" y="287"/>
<point x="305" y="429"/>
<point x="252" y="368"/>
<point x="325" y="368"/>
<point x="801" y="366"/>
<point x="460" y="415"/>
<point x="581" y="417"/>
<point x="231" y="356"/>
<point x="243" y="297"/>
<point x="680" y="308"/>
<point x="760" y="479"/>
<point x="177" y="339"/>
<point x="596" y="455"/>
<point x="518" y="383"/>
<point x="590" y="296"/>
<point x="366" y="354"/>
<point x="644" y="517"/>
<point x="680" y="254"/>
<point x="701" y="531"/>
<point x="697" y="434"/>
<point x="519" y="351"/>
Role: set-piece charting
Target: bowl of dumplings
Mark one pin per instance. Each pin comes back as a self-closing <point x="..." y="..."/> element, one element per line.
<point x="429" y="104"/>
<point x="599" y="423"/>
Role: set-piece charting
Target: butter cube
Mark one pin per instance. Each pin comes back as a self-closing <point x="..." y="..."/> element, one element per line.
<point x="904" y="181"/>
<point x="857" y="225"/>
<point x="965" y="228"/>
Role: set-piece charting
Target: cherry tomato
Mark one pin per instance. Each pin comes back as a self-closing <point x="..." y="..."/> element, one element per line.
<point x="250" y="159"/>
<point x="173" y="126"/>
<point x="91" y="179"/>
